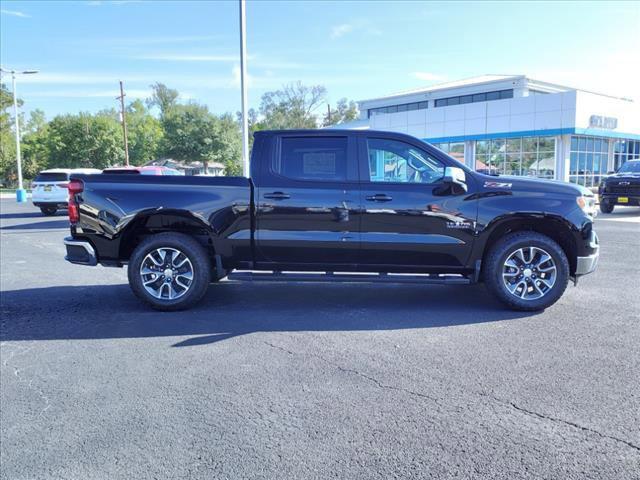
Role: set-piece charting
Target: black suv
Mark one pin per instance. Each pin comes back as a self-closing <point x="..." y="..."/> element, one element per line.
<point x="621" y="188"/>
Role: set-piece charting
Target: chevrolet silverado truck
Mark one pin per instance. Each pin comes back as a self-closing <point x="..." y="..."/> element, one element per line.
<point x="621" y="188"/>
<point x="338" y="206"/>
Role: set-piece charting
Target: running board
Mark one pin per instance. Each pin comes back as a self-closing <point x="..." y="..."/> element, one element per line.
<point x="261" y="276"/>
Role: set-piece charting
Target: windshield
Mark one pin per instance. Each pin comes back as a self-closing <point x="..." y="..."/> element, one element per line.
<point x="630" y="167"/>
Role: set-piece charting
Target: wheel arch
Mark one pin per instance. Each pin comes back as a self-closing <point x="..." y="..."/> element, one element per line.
<point x="557" y="228"/>
<point x="148" y="223"/>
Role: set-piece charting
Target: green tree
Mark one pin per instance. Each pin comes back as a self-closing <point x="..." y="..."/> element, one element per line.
<point x="230" y="152"/>
<point x="294" y="106"/>
<point x="163" y="97"/>
<point x="190" y="133"/>
<point x="345" y="111"/>
<point x="144" y="134"/>
<point x="7" y="137"/>
<point x="85" y="140"/>
<point x="35" y="144"/>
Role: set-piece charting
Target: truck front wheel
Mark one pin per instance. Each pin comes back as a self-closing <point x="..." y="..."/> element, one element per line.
<point x="169" y="271"/>
<point x="606" y="207"/>
<point x="526" y="271"/>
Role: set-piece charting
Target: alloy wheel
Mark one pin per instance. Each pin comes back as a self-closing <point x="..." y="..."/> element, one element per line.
<point x="529" y="273"/>
<point x="167" y="273"/>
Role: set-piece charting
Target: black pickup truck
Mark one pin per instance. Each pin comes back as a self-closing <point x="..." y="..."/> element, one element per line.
<point x="336" y="205"/>
<point x="621" y="188"/>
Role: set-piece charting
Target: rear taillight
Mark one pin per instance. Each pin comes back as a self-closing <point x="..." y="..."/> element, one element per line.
<point x="75" y="187"/>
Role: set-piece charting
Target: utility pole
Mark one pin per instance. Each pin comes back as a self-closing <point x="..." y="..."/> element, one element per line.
<point x="329" y="113"/>
<point x="21" y="194"/>
<point x="124" y="124"/>
<point x="243" y="88"/>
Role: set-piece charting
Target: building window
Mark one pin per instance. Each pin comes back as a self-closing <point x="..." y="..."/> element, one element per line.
<point x="528" y="156"/>
<point x="588" y="160"/>
<point x="477" y="97"/>
<point x="454" y="149"/>
<point x="625" y="150"/>
<point x="397" y="108"/>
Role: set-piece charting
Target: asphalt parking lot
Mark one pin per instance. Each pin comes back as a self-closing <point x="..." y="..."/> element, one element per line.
<point x="313" y="381"/>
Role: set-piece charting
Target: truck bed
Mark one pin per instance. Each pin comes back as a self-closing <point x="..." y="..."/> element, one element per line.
<point x="113" y="205"/>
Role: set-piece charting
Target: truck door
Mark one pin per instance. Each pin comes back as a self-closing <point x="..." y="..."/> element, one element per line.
<point x="410" y="220"/>
<point x="307" y="201"/>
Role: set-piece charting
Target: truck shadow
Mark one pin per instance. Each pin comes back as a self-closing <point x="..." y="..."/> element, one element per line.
<point x="233" y="309"/>
<point x="46" y="225"/>
<point x="4" y="216"/>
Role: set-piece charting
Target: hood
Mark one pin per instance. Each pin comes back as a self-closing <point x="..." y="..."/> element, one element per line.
<point x="531" y="184"/>
<point x="626" y="176"/>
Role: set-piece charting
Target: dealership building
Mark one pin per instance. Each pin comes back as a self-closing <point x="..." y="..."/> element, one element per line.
<point x="514" y="125"/>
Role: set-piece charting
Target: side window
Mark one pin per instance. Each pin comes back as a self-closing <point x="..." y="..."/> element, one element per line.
<point x="395" y="161"/>
<point x="321" y="159"/>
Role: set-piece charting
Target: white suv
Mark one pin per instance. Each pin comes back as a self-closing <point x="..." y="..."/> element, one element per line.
<point x="49" y="189"/>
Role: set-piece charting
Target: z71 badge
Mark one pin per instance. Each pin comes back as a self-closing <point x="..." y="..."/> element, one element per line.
<point x="497" y="185"/>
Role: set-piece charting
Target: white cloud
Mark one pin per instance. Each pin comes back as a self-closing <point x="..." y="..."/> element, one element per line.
<point x="14" y="13"/>
<point x="338" y="31"/>
<point x="168" y="57"/>
<point x="360" y="25"/>
<point x="69" y="78"/>
<point x="235" y="72"/>
<point x="136" y="41"/>
<point x="97" y="3"/>
<point x="133" y="93"/>
<point x="428" y="76"/>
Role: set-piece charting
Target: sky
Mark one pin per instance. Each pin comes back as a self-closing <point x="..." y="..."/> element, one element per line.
<point x="357" y="50"/>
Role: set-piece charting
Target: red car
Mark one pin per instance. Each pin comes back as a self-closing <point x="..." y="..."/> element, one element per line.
<point x="146" y="170"/>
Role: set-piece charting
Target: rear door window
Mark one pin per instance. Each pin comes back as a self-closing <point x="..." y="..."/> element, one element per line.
<point x="322" y="159"/>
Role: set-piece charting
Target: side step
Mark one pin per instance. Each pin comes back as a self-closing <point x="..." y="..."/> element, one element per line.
<point x="348" y="277"/>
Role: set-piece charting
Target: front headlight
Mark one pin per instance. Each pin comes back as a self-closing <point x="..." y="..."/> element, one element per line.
<point x="587" y="205"/>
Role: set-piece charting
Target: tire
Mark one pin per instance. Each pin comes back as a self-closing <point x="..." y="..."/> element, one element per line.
<point x="147" y="255"/>
<point x="48" y="211"/>
<point x="503" y="267"/>
<point x="606" y="207"/>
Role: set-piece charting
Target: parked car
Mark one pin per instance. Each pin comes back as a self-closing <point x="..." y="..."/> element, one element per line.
<point x="49" y="189"/>
<point x="621" y="188"/>
<point x="146" y="170"/>
<point x="356" y="205"/>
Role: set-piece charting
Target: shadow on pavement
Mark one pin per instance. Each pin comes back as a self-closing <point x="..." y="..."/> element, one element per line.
<point x="621" y="212"/>
<point x="233" y="309"/>
<point x="3" y="216"/>
<point x="47" y="225"/>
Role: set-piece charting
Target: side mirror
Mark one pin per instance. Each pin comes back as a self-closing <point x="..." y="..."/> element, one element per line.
<point x="456" y="178"/>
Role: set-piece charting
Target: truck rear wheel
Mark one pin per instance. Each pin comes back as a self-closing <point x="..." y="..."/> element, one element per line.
<point x="169" y="271"/>
<point x="527" y="271"/>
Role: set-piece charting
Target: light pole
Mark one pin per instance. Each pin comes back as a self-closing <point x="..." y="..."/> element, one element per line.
<point x="21" y="194"/>
<point x="243" y="88"/>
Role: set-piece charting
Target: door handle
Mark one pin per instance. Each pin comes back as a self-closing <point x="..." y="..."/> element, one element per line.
<point x="379" y="197"/>
<point x="277" y="196"/>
